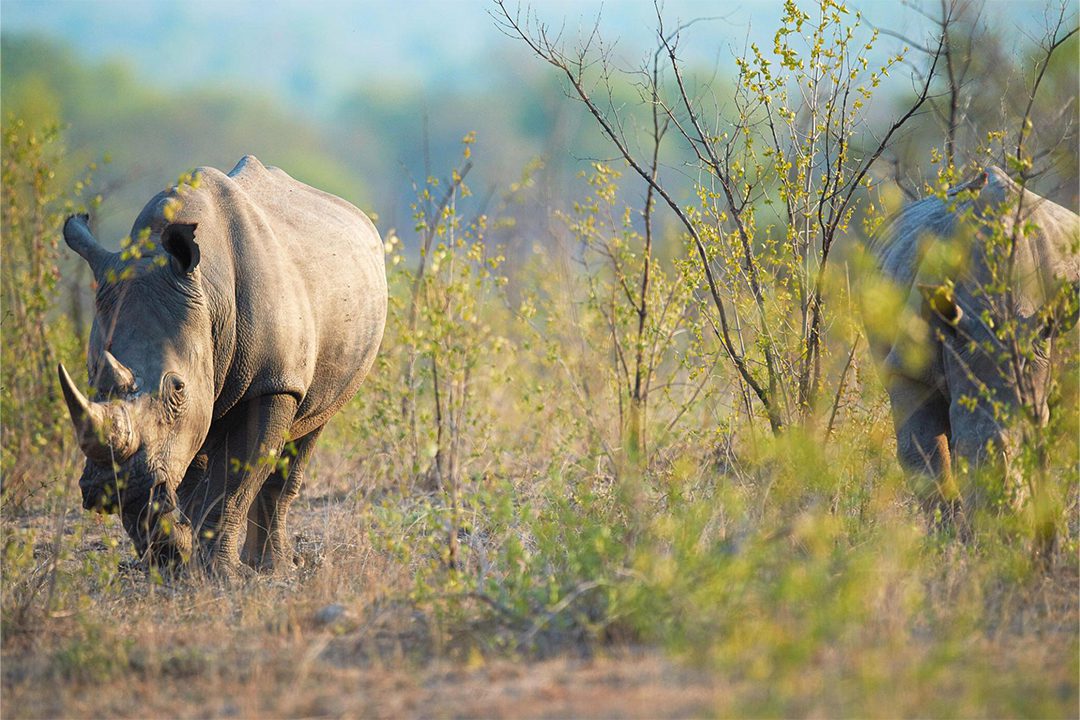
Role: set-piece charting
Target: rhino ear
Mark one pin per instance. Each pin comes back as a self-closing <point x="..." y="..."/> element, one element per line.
<point x="940" y="300"/>
<point x="79" y="238"/>
<point x="178" y="239"/>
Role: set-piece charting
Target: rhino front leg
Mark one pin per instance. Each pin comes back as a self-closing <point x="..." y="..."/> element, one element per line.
<point x="267" y="545"/>
<point x="921" y="421"/>
<point x="246" y="454"/>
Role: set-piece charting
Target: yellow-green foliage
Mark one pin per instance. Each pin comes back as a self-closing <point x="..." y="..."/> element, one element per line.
<point x="37" y="195"/>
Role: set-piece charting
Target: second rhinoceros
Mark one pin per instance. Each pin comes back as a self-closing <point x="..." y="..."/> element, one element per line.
<point x="246" y="311"/>
<point x="986" y="278"/>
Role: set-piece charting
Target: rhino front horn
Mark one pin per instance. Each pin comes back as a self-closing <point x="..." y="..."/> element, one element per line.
<point x="99" y="437"/>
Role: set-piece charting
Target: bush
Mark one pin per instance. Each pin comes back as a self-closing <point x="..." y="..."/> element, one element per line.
<point x="37" y="333"/>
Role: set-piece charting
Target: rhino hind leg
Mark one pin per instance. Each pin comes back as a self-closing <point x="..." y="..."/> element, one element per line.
<point x="267" y="546"/>
<point x="255" y="552"/>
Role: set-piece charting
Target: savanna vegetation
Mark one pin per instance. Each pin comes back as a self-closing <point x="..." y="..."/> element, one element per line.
<point x="632" y="458"/>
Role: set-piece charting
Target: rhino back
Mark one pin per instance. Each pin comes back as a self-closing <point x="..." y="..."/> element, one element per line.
<point x="1046" y="254"/>
<point x="899" y="246"/>
<point x="898" y="249"/>
<point x="297" y="286"/>
<point x="311" y="293"/>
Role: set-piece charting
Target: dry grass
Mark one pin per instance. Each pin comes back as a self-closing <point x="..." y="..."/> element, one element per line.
<point x="338" y="639"/>
<point x="348" y="636"/>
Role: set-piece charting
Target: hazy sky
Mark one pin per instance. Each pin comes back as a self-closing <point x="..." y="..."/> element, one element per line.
<point x="309" y="52"/>
<point x="312" y="50"/>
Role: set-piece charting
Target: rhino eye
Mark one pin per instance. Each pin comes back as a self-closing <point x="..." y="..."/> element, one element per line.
<point x="173" y="393"/>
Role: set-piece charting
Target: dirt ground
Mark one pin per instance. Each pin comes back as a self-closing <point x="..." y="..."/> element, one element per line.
<point x="319" y="646"/>
<point x="627" y="684"/>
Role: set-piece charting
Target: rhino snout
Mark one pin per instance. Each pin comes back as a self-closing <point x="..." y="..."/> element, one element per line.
<point x="98" y="490"/>
<point x="108" y="491"/>
<point x="96" y="499"/>
<point x="159" y="532"/>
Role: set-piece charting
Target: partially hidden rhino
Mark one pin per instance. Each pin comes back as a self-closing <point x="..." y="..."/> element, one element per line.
<point x="952" y="380"/>
<point x="246" y="311"/>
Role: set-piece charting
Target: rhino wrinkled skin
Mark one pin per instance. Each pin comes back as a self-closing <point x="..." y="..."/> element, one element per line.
<point x="247" y="311"/>
<point x="934" y="358"/>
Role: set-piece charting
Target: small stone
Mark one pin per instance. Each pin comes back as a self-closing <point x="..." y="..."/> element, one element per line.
<point x="330" y="614"/>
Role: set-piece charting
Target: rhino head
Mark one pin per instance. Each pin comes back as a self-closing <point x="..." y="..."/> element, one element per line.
<point x="150" y="366"/>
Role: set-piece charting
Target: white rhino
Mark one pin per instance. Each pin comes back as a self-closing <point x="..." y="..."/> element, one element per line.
<point x="953" y="377"/>
<point x="247" y="312"/>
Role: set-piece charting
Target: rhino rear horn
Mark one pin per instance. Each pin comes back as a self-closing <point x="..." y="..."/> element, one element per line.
<point x="78" y="237"/>
<point x="115" y="375"/>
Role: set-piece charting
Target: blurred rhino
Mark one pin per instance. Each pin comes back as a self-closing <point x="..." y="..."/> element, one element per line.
<point x="246" y="311"/>
<point x="955" y="378"/>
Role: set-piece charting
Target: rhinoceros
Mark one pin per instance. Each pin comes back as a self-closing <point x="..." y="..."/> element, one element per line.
<point x="245" y="312"/>
<point x="952" y="373"/>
